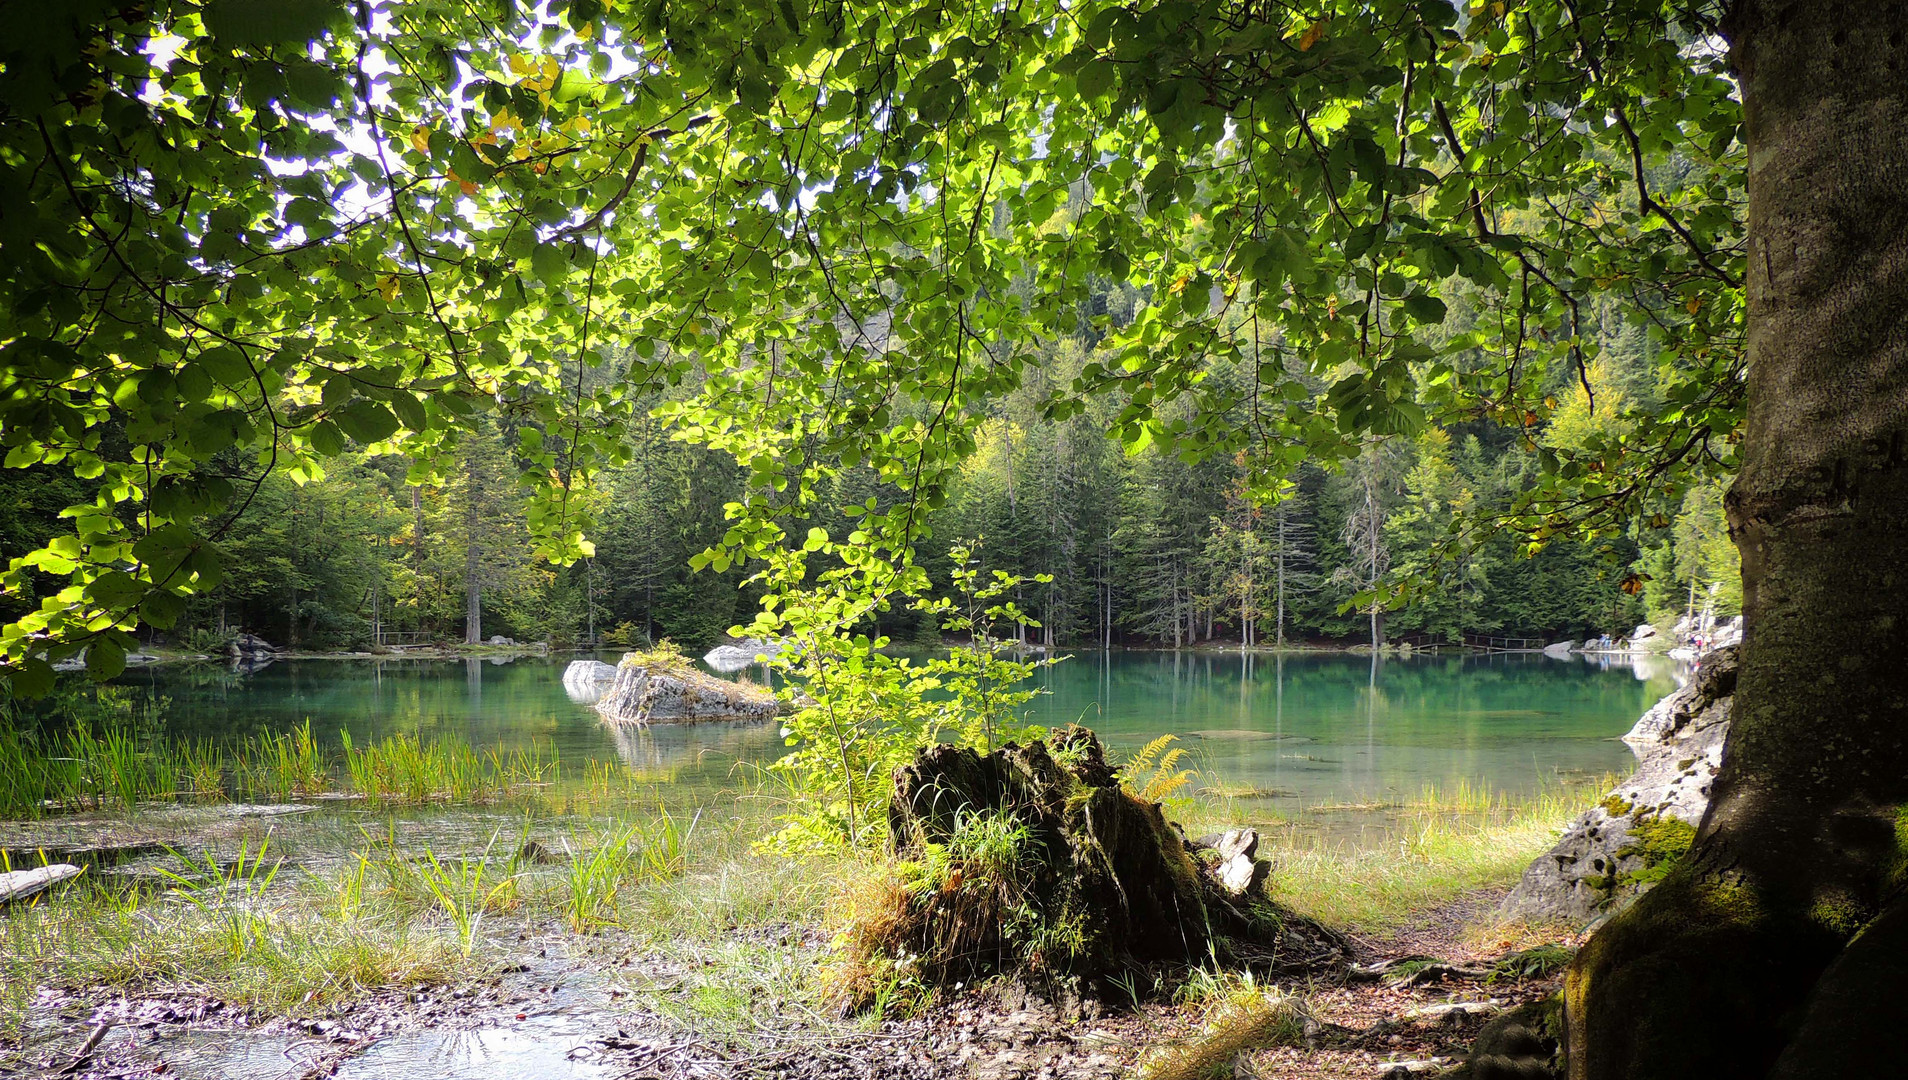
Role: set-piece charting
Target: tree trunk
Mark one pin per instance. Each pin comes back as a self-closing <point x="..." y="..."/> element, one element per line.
<point x="1279" y="628"/>
<point x="473" y="565"/>
<point x="1721" y="966"/>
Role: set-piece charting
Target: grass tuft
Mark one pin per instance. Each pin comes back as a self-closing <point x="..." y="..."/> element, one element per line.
<point x="1249" y="1018"/>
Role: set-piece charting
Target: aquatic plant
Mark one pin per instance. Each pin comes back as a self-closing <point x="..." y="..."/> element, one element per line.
<point x="595" y="876"/>
<point x="115" y="764"/>
<point x="229" y="893"/>
<point x="282" y="766"/>
<point x="464" y="890"/>
<point x="201" y="765"/>
<point x="406" y="768"/>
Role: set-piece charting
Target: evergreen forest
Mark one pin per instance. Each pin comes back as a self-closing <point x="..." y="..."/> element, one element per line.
<point x="1143" y="547"/>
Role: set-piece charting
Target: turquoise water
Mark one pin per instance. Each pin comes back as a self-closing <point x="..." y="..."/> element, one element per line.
<point x="1339" y="728"/>
<point x="1298" y="731"/>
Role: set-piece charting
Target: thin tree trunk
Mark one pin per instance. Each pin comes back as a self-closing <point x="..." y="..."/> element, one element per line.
<point x="1720" y="970"/>
<point x="1373" y="525"/>
<point x="1279" y="629"/>
<point x="473" y="564"/>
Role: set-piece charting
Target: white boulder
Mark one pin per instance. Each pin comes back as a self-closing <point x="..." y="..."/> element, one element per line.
<point x="741" y="653"/>
<point x="586" y="680"/>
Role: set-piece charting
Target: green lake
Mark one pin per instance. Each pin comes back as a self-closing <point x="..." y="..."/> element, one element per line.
<point x="1295" y="731"/>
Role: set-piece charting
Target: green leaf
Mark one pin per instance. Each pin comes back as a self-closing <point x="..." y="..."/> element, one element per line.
<point x="270" y="22"/>
<point x="409" y="411"/>
<point x="1425" y="308"/>
<point x="366" y="421"/>
<point x="549" y="263"/>
<point x="327" y="439"/>
<point x="1362" y="240"/>
<point x="30" y="677"/>
<point x="105" y="659"/>
<point x="1095" y="79"/>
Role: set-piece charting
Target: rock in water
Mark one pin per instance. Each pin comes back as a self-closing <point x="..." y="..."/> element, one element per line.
<point x="1034" y="861"/>
<point x="21" y="884"/>
<point x="249" y="652"/>
<point x="1620" y="847"/>
<point x="736" y="655"/>
<point x="1559" y="650"/>
<point x="587" y="680"/>
<point x="657" y="688"/>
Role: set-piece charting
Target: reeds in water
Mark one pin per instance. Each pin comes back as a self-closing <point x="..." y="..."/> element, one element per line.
<point x="84" y="768"/>
<point x="407" y="768"/>
<point x="282" y="766"/>
<point x="77" y="769"/>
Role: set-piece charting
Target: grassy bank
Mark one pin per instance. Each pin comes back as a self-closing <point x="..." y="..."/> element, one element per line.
<point x="1438" y="847"/>
<point x="734" y="940"/>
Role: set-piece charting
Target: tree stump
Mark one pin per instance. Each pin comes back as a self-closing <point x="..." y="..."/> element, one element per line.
<point x="1034" y="861"/>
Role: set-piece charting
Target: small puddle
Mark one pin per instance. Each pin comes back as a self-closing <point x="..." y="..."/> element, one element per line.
<point x="198" y="1055"/>
<point x="539" y="1047"/>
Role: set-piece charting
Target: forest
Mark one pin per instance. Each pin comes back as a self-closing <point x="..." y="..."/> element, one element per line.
<point x="1143" y="547"/>
<point x="1075" y="323"/>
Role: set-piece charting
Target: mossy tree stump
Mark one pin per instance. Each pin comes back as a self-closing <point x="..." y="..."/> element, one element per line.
<point x="1034" y="861"/>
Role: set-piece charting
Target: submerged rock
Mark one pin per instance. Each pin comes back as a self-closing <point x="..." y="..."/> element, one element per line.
<point x="652" y="688"/>
<point x="586" y="681"/>
<point x="1624" y="844"/>
<point x="21" y="884"/>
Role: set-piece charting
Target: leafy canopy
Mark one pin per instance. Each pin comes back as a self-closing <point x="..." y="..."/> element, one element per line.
<point x="243" y="234"/>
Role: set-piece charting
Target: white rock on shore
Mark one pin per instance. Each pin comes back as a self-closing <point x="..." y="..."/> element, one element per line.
<point x="1606" y="856"/>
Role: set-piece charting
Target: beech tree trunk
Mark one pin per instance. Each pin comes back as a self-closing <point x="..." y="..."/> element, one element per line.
<point x="1746" y="961"/>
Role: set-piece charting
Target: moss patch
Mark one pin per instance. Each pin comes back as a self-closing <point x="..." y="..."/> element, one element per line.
<point x="1659" y="842"/>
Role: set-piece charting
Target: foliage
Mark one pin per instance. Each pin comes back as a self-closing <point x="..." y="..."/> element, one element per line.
<point x="858" y="712"/>
<point x="256" y="237"/>
<point x="979" y="679"/>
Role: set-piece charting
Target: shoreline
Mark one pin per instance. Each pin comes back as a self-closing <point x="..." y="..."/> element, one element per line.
<point x="164" y="655"/>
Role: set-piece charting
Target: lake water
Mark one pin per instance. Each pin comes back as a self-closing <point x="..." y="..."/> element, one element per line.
<point x="1295" y="731"/>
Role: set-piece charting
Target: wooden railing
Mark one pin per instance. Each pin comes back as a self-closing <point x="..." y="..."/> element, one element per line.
<point x="1491" y="643"/>
<point x="399" y="638"/>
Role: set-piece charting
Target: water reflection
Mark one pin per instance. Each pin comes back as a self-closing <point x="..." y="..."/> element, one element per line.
<point x="1313" y="727"/>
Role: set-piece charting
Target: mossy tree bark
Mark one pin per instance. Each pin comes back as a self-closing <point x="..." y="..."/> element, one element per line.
<point x="1721" y="967"/>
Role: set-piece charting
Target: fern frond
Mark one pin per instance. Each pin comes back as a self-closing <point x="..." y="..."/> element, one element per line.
<point x="1155" y="758"/>
<point x="1144" y="759"/>
<point x="1163" y="784"/>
